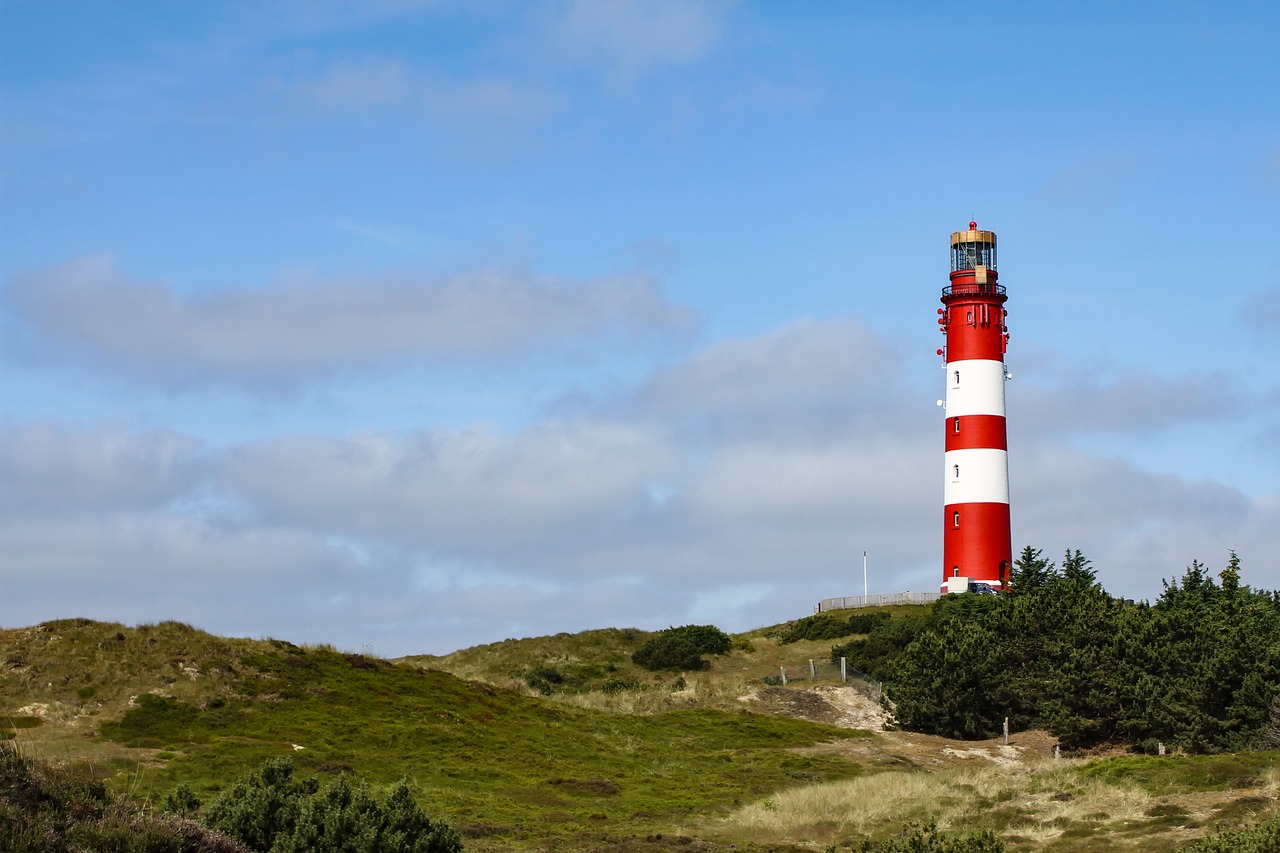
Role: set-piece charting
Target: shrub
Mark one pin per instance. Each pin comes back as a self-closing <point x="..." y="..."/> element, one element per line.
<point x="668" y="651"/>
<point x="822" y="626"/>
<point x="44" y="809"/>
<point x="272" y="812"/>
<point x="544" y="679"/>
<point x="927" y="839"/>
<point x="865" y="623"/>
<point x="614" y="686"/>
<point x="682" y="648"/>
<point x="1263" y="837"/>
<point x="832" y="624"/>
<point x="182" y="801"/>
<point x="884" y="644"/>
<point x="707" y="639"/>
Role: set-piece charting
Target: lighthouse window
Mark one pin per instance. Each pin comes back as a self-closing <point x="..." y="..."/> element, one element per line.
<point x="955" y="519"/>
<point x="957" y="378"/>
<point x="955" y="471"/>
<point x="956" y="426"/>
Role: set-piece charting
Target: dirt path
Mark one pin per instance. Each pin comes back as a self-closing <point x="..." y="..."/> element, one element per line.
<point x="847" y="707"/>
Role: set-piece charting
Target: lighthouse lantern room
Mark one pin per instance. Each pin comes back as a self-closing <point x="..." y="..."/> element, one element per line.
<point x="977" y="546"/>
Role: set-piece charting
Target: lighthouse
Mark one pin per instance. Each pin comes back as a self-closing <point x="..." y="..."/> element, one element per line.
<point x="976" y="542"/>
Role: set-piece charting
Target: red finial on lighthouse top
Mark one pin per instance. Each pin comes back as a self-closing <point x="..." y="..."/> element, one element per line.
<point x="973" y="226"/>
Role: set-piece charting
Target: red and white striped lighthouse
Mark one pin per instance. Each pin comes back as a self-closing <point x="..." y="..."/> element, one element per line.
<point x="976" y="542"/>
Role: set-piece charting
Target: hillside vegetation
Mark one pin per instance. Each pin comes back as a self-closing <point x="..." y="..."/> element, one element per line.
<point x="506" y="769"/>
<point x="572" y="743"/>
<point x="1197" y="670"/>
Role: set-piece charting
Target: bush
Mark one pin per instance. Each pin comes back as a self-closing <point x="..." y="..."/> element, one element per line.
<point x="1260" y="838"/>
<point x="544" y="679"/>
<point x="617" y="685"/>
<point x="44" y="809"/>
<point x="668" y="651"/>
<point x="707" y="639"/>
<point x="822" y="626"/>
<point x="682" y="648"/>
<point x="865" y="623"/>
<point x="272" y="812"/>
<point x="875" y="654"/>
<point x="927" y="839"/>
<point x="832" y="624"/>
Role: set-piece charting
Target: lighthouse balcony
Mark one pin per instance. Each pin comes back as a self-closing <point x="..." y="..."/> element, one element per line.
<point x="968" y="288"/>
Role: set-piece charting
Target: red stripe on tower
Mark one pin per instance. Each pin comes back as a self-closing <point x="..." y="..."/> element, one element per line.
<point x="976" y="542"/>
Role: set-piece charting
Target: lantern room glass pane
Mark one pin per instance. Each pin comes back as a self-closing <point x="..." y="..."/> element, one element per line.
<point x="967" y="256"/>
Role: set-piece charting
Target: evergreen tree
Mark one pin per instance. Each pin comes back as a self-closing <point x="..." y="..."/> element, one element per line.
<point x="1031" y="570"/>
<point x="952" y="680"/>
<point x="1076" y="569"/>
<point x="1198" y="670"/>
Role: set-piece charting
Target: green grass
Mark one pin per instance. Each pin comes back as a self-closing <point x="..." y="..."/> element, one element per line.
<point x="78" y="666"/>
<point x="1168" y="774"/>
<point x="488" y="761"/>
<point x="152" y="707"/>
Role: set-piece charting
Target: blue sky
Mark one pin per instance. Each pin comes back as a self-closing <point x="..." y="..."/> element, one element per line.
<point x="412" y="325"/>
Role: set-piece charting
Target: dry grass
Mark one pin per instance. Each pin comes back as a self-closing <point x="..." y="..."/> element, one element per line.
<point x="702" y="690"/>
<point x="856" y="806"/>
<point x="1032" y="806"/>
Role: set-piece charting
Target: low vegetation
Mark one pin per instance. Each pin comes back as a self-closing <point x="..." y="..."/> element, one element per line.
<point x="505" y="768"/>
<point x="1110" y="804"/>
<point x="1260" y="838"/>
<point x="44" y="809"/>
<point x="833" y="624"/>
<point x="621" y="739"/>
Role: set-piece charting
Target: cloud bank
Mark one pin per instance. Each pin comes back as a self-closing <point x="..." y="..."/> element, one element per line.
<point x="740" y="483"/>
<point x="92" y="313"/>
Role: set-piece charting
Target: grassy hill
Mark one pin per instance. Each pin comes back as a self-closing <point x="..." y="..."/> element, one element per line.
<point x="563" y="743"/>
<point x="155" y="706"/>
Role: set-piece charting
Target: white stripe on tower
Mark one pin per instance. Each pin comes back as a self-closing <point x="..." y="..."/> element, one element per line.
<point x="975" y="476"/>
<point x="975" y="387"/>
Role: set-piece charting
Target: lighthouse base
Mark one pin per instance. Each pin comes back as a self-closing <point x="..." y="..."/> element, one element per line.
<point x="977" y="543"/>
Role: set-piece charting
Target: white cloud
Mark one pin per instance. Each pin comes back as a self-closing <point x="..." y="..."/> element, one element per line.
<point x="822" y="378"/>
<point x="1137" y="526"/>
<point x="537" y="497"/>
<point x="386" y="82"/>
<point x="360" y="83"/>
<point x="625" y="515"/>
<point x="1261" y="312"/>
<point x="291" y="332"/>
<point x="1132" y="402"/>
<point x="51" y="469"/>
<point x="633" y="36"/>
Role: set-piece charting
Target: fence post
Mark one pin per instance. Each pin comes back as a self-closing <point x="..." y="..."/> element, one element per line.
<point x="1006" y="731"/>
<point x="844" y="669"/>
<point x="783" y="670"/>
<point x="813" y="671"/>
